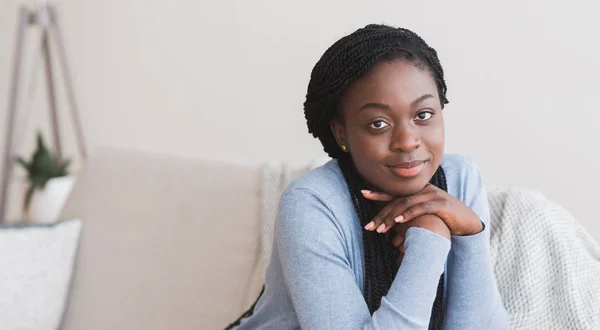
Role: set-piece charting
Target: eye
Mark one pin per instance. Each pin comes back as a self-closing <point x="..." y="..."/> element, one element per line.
<point x="425" y="115"/>
<point x="379" y="124"/>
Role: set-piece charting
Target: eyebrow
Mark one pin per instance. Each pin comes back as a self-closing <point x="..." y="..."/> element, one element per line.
<point x="384" y="106"/>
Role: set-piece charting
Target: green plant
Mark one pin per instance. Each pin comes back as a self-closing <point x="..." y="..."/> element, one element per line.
<point x="42" y="167"/>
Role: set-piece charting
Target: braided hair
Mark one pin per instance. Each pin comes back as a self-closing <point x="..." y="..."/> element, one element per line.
<point x="346" y="61"/>
<point x="350" y="59"/>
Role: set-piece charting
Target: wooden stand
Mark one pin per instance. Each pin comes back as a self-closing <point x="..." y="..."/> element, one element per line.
<point x="44" y="18"/>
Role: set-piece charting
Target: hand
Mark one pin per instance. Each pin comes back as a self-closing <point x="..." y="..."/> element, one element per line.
<point x="430" y="222"/>
<point x="460" y="219"/>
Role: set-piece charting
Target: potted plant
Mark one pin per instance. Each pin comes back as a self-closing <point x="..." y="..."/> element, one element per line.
<point x="48" y="184"/>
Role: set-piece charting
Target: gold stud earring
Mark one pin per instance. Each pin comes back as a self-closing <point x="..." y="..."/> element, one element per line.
<point x="344" y="148"/>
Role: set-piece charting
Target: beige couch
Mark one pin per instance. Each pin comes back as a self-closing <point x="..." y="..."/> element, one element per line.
<point x="174" y="243"/>
<point x="167" y="242"/>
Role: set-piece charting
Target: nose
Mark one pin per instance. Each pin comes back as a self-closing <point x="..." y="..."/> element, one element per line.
<point x="405" y="139"/>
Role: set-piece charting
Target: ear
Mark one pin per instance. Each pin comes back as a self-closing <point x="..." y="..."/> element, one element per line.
<point x="339" y="132"/>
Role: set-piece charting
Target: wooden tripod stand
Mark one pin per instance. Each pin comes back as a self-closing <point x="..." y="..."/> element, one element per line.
<point x="43" y="17"/>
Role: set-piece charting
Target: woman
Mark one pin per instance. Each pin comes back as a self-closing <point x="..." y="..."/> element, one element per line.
<point x="392" y="233"/>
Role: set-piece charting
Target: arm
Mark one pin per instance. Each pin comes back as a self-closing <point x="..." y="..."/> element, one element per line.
<point x="473" y="297"/>
<point x="320" y="280"/>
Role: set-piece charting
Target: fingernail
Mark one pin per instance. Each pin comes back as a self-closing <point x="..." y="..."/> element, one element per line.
<point x="365" y="191"/>
<point x="381" y="228"/>
<point x="399" y="218"/>
<point x="370" y="225"/>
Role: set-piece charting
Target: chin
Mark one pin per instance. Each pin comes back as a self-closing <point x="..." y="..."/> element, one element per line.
<point x="406" y="188"/>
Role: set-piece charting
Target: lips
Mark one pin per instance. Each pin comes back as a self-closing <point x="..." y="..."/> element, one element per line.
<point x="412" y="164"/>
<point x="408" y="169"/>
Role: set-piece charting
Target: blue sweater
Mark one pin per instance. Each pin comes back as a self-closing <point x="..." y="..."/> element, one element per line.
<point x="315" y="278"/>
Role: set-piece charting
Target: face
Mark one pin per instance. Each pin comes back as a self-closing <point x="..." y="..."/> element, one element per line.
<point x="393" y="127"/>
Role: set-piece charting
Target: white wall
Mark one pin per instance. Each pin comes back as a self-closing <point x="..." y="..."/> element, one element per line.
<point x="227" y="79"/>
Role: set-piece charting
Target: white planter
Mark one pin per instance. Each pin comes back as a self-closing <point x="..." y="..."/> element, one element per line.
<point x="47" y="204"/>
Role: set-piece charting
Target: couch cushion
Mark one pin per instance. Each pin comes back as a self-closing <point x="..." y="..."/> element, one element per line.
<point x="167" y="242"/>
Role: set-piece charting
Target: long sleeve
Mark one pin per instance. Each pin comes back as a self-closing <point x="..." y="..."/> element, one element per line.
<point x="474" y="301"/>
<point x="317" y="272"/>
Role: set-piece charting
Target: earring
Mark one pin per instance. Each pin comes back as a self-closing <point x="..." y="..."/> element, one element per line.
<point x="344" y="148"/>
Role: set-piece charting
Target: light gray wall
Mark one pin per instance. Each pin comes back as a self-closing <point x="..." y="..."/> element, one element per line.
<point x="227" y="79"/>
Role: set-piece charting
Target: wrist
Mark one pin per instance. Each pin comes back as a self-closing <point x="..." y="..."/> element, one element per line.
<point x="474" y="230"/>
<point x="433" y="224"/>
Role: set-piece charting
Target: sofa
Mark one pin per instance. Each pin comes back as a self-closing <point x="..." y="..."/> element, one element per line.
<point x="167" y="242"/>
<point x="172" y="242"/>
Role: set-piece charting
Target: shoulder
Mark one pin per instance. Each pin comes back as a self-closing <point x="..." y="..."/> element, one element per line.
<point x="463" y="176"/>
<point x="460" y="164"/>
<point x="318" y="198"/>
<point x="311" y="207"/>
<point x="322" y="182"/>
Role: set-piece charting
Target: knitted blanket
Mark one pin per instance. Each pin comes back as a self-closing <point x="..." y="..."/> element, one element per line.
<point x="547" y="266"/>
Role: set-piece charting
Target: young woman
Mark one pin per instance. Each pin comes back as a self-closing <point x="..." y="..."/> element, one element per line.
<point x="392" y="233"/>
